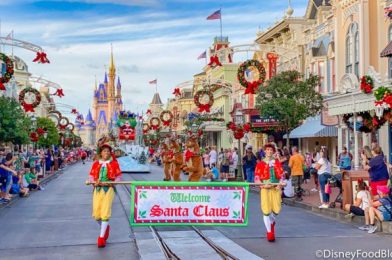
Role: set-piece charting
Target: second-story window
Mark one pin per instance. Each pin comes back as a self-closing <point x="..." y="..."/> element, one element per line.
<point x="352" y="49"/>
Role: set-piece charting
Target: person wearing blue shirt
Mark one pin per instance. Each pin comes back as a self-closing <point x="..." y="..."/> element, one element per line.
<point x="215" y="171"/>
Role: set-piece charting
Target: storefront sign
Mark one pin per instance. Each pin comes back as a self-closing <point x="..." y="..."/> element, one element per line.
<point x="328" y="120"/>
<point x="186" y="203"/>
<point x="258" y="121"/>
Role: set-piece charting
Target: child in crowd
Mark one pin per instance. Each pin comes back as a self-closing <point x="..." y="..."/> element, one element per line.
<point x="288" y="190"/>
<point x="380" y="209"/>
<point x="361" y="203"/>
<point x="214" y="171"/>
<point x="17" y="186"/>
<point x="30" y="180"/>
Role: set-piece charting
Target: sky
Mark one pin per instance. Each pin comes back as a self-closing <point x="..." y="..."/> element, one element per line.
<point x="152" y="39"/>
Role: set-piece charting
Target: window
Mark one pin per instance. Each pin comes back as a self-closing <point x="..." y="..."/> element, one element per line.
<point x="352" y="49"/>
<point x="390" y="33"/>
<point x="333" y="75"/>
<point x="321" y="74"/>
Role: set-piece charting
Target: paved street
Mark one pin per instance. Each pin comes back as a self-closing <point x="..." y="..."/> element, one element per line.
<point x="56" y="224"/>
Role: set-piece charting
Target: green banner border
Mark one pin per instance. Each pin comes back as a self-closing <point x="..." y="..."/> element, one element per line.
<point x="179" y="184"/>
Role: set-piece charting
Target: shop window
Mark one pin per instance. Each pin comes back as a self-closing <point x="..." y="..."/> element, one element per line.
<point x="352" y="49"/>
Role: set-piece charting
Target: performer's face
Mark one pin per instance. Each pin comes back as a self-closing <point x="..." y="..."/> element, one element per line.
<point x="105" y="154"/>
<point x="269" y="152"/>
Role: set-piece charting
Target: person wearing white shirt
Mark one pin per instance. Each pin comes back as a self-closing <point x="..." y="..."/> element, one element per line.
<point x="234" y="158"/>
<point x="213" y="156"/>
<point x="323" y="167"/>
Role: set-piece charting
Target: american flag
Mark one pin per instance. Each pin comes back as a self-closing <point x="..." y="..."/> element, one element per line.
<point x="203" y="55"/>
<point x="215" y="15"/>
<point x="153" y="81"/>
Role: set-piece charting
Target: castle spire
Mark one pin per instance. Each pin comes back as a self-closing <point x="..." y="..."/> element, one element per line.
<point x="112" y="67"/>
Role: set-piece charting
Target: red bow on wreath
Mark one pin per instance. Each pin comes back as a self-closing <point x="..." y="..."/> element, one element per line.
<point x="28" y="107"/>
<point x="166" y="123"/>
<point x="252" y="87"/>
<point x="34" y="137"/>
<point x="59" y="92"/>
<point x="40" y="131"/>
<point x="177" y="92"/>
<point x="188" y="155"/>
<point x="41" y="58"/>
<point x="214" y="61"/>
<point x="204" y="107"/>
<point x="154" y="127"/>
<point x="73" y="111"/>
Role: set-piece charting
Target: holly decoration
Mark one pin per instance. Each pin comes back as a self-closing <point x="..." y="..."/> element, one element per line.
<point x="29" y="107"/>
<point x="251" y="87"/>
<point x="239" y="130"/>
<point x="41" y="58"/>
<point x="155" y="123"/>
<point x="166" y="117"/>
<point x="214" y="61"/>
<point x="367" y="84"/>
<point x="9" y="70"/>
<point x="200" y="97"/>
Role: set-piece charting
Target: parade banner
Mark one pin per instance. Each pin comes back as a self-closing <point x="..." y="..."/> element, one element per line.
<point x="189" y="203"/>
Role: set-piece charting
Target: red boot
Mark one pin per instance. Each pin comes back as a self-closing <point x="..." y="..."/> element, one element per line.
<point x="101" y="242"/>
<point x="270" y="236"/>
<point x="107" y="232"/>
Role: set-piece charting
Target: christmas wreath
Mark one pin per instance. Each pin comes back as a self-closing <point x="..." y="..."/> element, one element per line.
<point x="146" y="128"/>
<point x="251" y="86"/>
<point x="9" y="70"/>
<point x="155" y="123"/>
<point x="29" y="107"/>
<point x="365" y="122"/>
<point x="201" y="102"/>
<point x="63" y="123"/>
<point x="166" y="117"/>
<point x="367" y="84"/>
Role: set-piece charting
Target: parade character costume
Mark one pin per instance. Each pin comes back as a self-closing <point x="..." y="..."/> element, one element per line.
<point x="167" y="157"/>
<point x="193" y="159"/>
<point x="106" y="168"/>
<point x="269" y="171"/>
<point x="176" y="160"/>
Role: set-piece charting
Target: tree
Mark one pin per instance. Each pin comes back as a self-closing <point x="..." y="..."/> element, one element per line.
<point x="52" y="132"/>
<point x="290" y="99"/>
<point x="14" y="124"/>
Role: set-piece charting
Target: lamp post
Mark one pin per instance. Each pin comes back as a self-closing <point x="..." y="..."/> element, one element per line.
<point x="239" y="120"/>
<point x="34" y="125"/>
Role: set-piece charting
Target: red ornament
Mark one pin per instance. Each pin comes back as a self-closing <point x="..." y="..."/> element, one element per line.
<point x="59" y="92"/>
<point x="214" y="61"/>
<point x="41" y="58"/>
<point x="177" y="92"/>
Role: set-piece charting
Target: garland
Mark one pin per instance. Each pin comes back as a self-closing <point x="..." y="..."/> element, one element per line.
<point x="368" y="124"/>
<point x="155" y="123"/>
<point x="202" y="93"/>
<point x="239" y="130"/>
<point x="367" y="84"/>
<point x="29" y="107"/>
<point x="251" y="87"/>
<point x="9" y="70"/>
<point x="163" y="115"/>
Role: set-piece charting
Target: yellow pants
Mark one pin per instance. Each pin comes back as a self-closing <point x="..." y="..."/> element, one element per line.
<point x="102" y="203"/>
<point x="270" y="201"/>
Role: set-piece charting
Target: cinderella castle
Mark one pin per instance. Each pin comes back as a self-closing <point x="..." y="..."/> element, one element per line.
<point x="107" y="103"/>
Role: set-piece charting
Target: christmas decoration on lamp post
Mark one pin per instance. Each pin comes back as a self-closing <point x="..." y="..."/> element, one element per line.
<point x="27" y="106"/>
<point x="9" y="70"/>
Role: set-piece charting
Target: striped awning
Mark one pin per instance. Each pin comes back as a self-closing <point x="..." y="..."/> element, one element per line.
<point x="312" y="127"/>
<point x="387" y="52"/>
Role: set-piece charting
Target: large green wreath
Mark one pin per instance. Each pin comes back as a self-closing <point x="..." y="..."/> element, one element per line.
<point x="251" y="86"/>
<point x="204" y="107"/>
<point x="9" y="70"/>
<point x="29" y="107"/>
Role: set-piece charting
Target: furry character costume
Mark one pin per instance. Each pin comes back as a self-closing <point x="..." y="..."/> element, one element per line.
<point x="103" y="195"/>
<point x="269" y="172"/>
<point x="193" y="159"/>
<point x="167" y="157"/>
<point x="176" y="160"/>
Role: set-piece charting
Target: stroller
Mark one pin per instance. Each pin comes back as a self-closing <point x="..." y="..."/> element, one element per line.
<point x="336" y="181"/>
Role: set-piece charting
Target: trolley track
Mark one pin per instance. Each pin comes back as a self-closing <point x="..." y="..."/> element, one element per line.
<point x="169" y="253"/>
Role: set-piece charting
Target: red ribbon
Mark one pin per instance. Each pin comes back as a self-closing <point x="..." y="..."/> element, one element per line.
<point x="188" y="155"/>
<point x="154" y="127"/>
<point x="214" y="61"/>
<point x="2" y="87"/>
<point x="252" y="87"/>
<point x="205" y="107"/>
<point x="28" y="107"/>
<point x="176" y="92"/>
<point x="59" y="92"/>
<point x="41" y="58"/>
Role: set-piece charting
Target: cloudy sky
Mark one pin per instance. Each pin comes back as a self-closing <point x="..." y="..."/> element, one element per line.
<point x="151" y="39"/>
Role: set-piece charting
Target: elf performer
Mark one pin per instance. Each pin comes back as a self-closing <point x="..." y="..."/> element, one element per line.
<point x="105" y="168"/>
<point x="269" y="172"/>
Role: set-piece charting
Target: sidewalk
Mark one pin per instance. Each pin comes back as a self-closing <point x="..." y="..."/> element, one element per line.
<point x="311" y="201"/>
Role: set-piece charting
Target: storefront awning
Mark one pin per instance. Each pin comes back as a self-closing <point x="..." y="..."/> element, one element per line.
<point x="350" y="103"/>
<point x="312" y="127"/>
<point x="387" y="52"/>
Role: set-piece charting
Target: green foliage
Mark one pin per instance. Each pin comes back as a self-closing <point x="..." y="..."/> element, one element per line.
<point x="290" y="99"/>
<point x="50" y="127"/>
<point x="14" y="124"/>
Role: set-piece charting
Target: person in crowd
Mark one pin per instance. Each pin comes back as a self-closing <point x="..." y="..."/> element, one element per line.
<point x="296" y="164"/>
<point x="308" y="167"/>
<point x="7" y="171"/>
<point x="48" y="161"/>
<point x="30" y="180"/>
<point x="361" y="203"/>
<point x="271" y="141"/>
<point x="213" y="156"/>
<point x="206" y="159"/>
<point x="288" y="190"/>
<point x="380" y="209"/>
<point x="212" y="174"/>
<point x="366" y="156"/>
<point x="284" y="159"/>
<point x="17" y="185"/>
<point x="19" y="161"/>
<point x="260" y="154"/>
<point x="249" y="161"/>
<point x="83" y="156"/>
<point x="378" y="171"/>
<point x="225" y="165"/>
<point x="220" y="156"/>
<point x="234" y="159"/>
<point x="345" y="158"/>
<point x="323" y="167"/>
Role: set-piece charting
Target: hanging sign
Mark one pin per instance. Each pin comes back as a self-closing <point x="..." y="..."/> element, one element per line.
<point x="186" y="203"/>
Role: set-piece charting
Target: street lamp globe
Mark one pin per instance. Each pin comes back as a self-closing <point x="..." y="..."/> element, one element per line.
<point x="34" y="121"/>
<point x="239" y="117"/>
